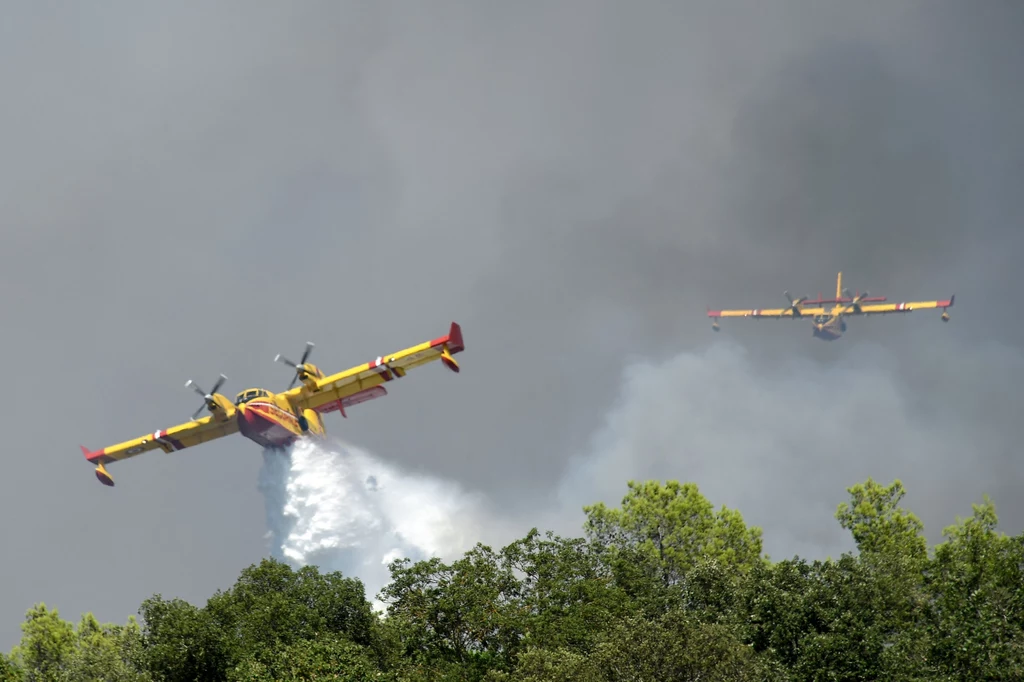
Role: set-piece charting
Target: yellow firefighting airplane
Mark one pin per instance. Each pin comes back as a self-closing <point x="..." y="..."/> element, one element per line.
<point x="828" y="322"/>
<point x="275" y="421"/>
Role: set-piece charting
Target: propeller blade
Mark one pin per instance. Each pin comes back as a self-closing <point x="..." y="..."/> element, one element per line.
<point x="195" y="387"/>
<point x="282" y="359"/>
<point x="195" y="415"/>
<point x="305" y="354"/>
<point x="220" y="382"/>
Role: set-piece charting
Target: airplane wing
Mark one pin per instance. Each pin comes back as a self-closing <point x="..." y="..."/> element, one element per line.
<point x="769" y="313"/>
<point x="362" y="383"/>
<point x="169" y="440"/>
<point x="886" y="308"/>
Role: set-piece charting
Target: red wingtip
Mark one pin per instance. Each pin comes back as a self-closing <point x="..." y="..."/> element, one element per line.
<point x="455" y="343"/>
<point x="93" y="457"/>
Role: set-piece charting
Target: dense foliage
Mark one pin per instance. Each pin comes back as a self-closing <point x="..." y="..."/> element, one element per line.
<point x="662" y="588"/>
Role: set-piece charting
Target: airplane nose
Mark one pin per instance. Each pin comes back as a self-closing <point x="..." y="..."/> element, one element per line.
<point x="246" y="414"/>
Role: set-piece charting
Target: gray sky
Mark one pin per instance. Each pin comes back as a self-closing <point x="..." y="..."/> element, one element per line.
<point x="190" y="189"/>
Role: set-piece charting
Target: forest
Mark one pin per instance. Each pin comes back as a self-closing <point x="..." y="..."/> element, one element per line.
<point x="663" y="587"/>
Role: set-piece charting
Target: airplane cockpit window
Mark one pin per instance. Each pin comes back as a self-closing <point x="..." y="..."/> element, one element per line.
<point x="246" y="396"/>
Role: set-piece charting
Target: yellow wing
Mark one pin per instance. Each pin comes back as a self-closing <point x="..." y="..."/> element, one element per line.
<point x="169" y="440"/>
<point x="355" y="385"/>
<point x="769" y="313"/>
<point x="886" y="308"/>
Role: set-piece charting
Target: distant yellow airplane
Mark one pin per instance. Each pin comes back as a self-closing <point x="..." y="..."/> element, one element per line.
<point x="828" y="322"/>
<point x="276" y="421"/>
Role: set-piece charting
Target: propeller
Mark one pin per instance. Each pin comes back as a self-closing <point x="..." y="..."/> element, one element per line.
<point x="207" y="397"/>
<point x="300" y="366"/>
<point x="794" y="305"/>
<point x="855" y="303"/>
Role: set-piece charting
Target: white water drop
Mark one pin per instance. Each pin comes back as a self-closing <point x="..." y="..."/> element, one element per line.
<point x="339" y="508"/>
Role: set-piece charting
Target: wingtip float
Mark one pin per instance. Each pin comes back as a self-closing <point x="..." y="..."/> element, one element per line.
<point x="276" y="420"/>
<point x="101" y="472"/>
<point x="828" y="314"/>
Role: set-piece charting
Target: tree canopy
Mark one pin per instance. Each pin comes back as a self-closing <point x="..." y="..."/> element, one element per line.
<point x="662" y="587"/>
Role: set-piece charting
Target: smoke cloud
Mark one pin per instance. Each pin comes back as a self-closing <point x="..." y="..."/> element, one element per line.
<point x="782" y="443"/>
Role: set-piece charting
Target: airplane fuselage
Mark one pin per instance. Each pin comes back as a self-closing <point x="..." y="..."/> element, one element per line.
<point x="828" y="328"/>
<point x="269" y="421"/>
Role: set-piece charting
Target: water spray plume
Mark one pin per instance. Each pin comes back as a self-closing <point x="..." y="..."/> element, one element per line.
<point x="339" y="508"/>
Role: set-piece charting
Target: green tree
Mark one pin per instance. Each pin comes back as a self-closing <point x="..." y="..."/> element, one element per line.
<point x="677" y="646"/>
<point x="181" y="642"/>
<point x="670" y="647"/>
<point x="105" y="652"/>
<point x="269" y="609"/>
<point x="894" y="554"/>
<point x="567" y="592"/>
<point x="672" y="528"/>
<point x="51" y="648"/>
<point x="880" y="526"/>
<point x="859" y="617"/>
<point x="47" y="645"/>
<point x="664" y="587"/>
<point x="466" y="613"/>
<point x="272" y="605"/>
<point x="978" y="599"/>
<point x="327" y="657"/>
<point x="9" y="670"/>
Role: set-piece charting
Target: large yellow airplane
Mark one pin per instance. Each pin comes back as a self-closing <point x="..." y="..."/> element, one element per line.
<point x="276" y="421"/>
<point x="828" y="322"/>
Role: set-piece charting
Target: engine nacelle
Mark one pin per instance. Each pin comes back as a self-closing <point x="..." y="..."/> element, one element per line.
<point x="309" y="374"/>
<point x="219" y="406"/>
